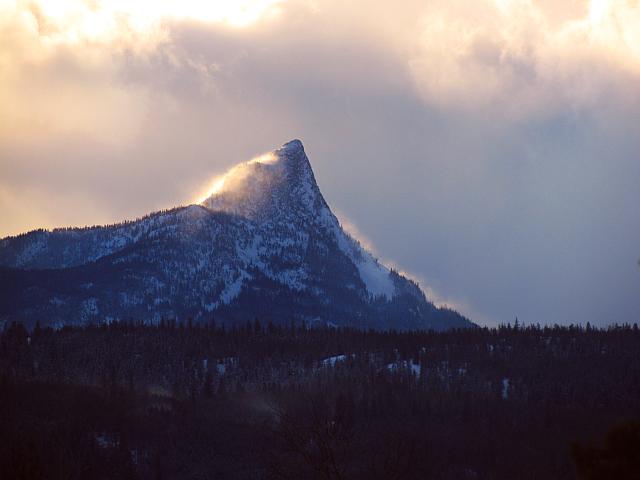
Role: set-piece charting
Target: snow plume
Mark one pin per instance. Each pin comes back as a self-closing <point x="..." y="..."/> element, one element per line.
<point x="353" y="231"/>
<point x="434" y="296"/>
<point x="253" y="177"/>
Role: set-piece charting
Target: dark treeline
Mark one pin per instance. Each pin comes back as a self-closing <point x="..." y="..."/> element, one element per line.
<point x="176" y="401"/>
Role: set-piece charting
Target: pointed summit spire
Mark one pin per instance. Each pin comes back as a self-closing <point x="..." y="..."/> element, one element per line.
<point x="294" y="154"/>
<point x="265" y="187"/>
<point x="292" y="146"/>
<point x="297" y="163"/>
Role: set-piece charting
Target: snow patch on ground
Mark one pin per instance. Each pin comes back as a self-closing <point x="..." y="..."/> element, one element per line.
<point x="331" y="361"/>
<point x="233" y="289"/>
<point x="409" y="365"/>
<point x="505" y="388"/>
<point x="376" y="277"/>
<point x="294" y="279"/>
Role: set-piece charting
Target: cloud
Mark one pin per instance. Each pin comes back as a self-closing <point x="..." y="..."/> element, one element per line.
<point x="489" y="147"/>
<point x="524" y="55"/>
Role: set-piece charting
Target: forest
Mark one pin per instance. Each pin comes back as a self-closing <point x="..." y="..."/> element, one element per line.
<point x="262" y="401"/>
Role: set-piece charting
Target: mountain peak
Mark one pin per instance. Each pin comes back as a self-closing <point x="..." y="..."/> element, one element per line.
<point x="292" y="146"/>
<point x="279" y="251"/>
<point x="278" y="181"/>
<point x="293" y="156"/>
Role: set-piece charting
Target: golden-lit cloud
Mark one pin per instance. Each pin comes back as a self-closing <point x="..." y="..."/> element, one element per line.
<point x="77" y="21"/>
<point x="517" y="55"/>
<point x="61" y="61"/>
<point x="523" y="54"/>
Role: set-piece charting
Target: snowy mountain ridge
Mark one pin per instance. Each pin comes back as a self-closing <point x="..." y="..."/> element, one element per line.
<point x="264" y="239"/>
<point x="278" y="190"/>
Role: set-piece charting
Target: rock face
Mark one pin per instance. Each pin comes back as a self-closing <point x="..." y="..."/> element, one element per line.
<point x="263" y="245"/>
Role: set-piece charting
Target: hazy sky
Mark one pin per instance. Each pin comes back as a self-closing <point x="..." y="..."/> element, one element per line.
<point x="491" y="148"/>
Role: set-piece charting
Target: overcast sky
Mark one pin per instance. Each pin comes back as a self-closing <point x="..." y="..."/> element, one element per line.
<point x="490" y="148"/>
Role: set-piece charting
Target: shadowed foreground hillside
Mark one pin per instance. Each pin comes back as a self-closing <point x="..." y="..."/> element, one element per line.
<point x="186" y="402"/>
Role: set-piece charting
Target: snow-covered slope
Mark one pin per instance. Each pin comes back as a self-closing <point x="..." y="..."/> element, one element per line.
<point x="263" y="243"/>
<point x="278" y="192"/>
